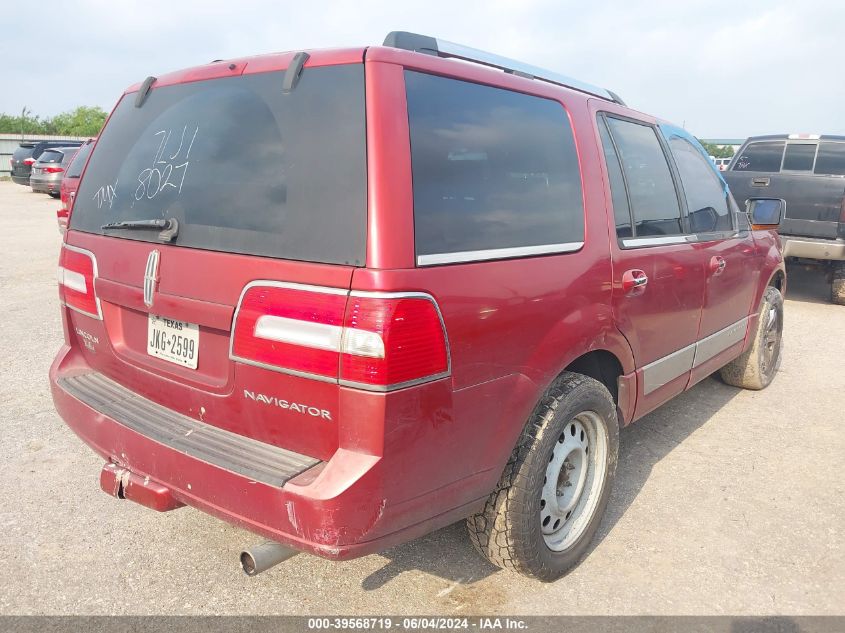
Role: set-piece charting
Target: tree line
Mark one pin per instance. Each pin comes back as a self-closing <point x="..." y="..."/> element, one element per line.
<point x="83" y="121"/>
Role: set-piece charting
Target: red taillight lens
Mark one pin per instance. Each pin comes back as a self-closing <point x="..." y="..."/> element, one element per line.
<point x="77" y="272"/>
<point x="53" y="170"/>
<point x="291" y="328"/>
<point x="28" y="161"/>
<point x="377" y="341"/>
<point x="391" y="341"/>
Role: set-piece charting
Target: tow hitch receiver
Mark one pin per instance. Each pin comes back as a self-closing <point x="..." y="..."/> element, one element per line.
<point x="121" y="483"/>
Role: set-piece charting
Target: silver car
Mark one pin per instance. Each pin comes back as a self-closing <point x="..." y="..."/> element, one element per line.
<point x="49" y="170"/>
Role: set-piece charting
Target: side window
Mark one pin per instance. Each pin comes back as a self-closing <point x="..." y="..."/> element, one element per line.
<point x="706" y="194"/>
<point x="760" y="156"/>
<point x="651" y="190"/>
<point x="831" y="159"/>
<point x="619" y="197"/>
<point x="492" y="169"/>
<point x="799" y="156"/>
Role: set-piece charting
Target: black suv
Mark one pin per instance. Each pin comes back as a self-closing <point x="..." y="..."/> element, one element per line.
<point x="28" y="152"/>
<point x="808" y="171"/>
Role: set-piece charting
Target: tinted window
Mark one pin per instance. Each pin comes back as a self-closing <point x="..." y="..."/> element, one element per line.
<point x="51" y="156"/>
<point x="491" y="168"/>
<point x="244" y="167"/>
<point x="705" y="192"/>
<point x="621" y="209"/>
<point x="799" y="156"/>
<point x="761" y="156"/>
<point x="74" y="170"/>
<point x="22" y="153"/>
<point x="654" y="201"/>
<point x="831" y="159"/>
<point x="68" y="155"/>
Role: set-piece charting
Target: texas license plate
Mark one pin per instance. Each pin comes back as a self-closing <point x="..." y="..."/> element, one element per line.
<point x="174" y="341"/>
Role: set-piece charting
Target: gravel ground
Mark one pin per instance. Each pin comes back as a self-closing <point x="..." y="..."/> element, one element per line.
<point x="726" y="501"/>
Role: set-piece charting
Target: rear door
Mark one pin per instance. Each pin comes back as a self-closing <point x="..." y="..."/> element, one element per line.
<point x="658" y="274"/>
<point x="266" y="186"/>
<point x="726" y="247"/>
<point x="20" y="168"/>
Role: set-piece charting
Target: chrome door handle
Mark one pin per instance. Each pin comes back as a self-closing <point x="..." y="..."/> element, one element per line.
<point x="717" y="265"/>
<point x="634" y="281"/>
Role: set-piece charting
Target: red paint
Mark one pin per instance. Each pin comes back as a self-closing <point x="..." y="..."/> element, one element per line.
<point x="401" y="463"/>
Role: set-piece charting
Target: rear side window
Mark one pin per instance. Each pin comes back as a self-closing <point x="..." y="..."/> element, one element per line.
<point x="74" y="170"/>
<point x="492" y="169"/>
<point x="831" y="159"/>
<point x="651" y="190"/>
<point x="705" y="192"/>
<point x="799" y="157"/>
<point x="243" y="167"/>
<point x="68" y="156"/>
<point x="51" y="156"/>
<point x="760" y="156"/>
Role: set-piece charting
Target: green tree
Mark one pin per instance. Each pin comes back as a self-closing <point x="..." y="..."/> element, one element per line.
<point x="83" y="121"/>
<point x="717" y="151"/>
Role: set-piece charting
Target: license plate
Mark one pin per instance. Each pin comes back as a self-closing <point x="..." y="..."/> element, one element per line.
<point x="174" y="341"/>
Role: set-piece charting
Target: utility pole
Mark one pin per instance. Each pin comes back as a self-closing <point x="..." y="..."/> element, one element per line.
<point x="23" y="119"/>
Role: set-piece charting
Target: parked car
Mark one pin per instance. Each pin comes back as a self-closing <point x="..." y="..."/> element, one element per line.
<point x="30" y="151"/>
<point x="344" y="318"/>
<point x="49" y="170"/>
<point x="70" y="183"/>
<point x="808" y="171"/>
<point x="722" y="163"/>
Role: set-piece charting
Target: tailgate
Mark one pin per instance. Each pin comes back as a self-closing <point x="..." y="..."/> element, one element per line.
<point x="257" y="185"/>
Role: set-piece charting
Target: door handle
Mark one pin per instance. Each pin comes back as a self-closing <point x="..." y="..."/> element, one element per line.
<point x="634" y="282"/>
<point x="717" y="265"/>
<point x="760" y="182"/>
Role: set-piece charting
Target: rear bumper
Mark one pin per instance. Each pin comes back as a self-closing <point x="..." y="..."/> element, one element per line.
<point x="20" y="180"/>
<point x="336" y="509"/>
<point x="813" y="248"/>
<point x="45" y="185"/>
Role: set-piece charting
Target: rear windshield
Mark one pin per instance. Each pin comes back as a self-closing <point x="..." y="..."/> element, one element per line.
<point x="22" y="153"/>
<point x="243" y="167"/>
<point x="51" y="156"/>
<point x="74" y="170"/>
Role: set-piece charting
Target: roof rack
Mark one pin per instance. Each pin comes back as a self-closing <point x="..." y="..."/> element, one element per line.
<point x="442" y="48"/>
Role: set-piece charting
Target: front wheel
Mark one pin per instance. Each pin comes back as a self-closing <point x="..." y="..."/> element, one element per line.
<point x="549" y="502"/>
<point x="757" y="366"/>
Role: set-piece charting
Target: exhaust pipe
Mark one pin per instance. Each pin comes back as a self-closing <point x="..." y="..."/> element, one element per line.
<point x="264" y="556"/>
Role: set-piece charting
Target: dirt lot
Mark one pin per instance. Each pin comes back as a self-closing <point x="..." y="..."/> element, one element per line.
<point x="726" y="501"/>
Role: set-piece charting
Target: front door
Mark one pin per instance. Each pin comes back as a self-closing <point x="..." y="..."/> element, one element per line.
<point x="723" y="240"/>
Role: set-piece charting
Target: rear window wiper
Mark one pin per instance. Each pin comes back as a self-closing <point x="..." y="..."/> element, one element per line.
<point x="169" y="227"/>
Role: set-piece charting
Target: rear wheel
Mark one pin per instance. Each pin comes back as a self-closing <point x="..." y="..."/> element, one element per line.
<point x="757" y="366"/>
<point x="837" y="286"/>
<point x="550" y="500"/>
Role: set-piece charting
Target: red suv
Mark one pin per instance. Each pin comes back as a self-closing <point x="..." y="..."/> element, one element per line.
<point x="342" y="298"/>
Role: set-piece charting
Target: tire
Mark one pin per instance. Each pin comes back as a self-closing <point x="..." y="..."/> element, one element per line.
<point x="572" y="435"/>
<point x="837" y="285"/>
<point x="756" y="367"/>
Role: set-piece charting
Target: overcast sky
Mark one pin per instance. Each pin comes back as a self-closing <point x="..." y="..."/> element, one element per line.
<point x="722" y="69"/>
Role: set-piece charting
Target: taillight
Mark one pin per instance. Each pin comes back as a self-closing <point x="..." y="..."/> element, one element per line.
<point x="392" y="340"/>
<point x="376" y="341"/>
<point x="77" y="272"/>
<point x="52" y="170"/>
<point x="28" y="161"/>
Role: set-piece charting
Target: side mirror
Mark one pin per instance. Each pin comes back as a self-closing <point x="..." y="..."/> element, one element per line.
<point x="765" y="213"/>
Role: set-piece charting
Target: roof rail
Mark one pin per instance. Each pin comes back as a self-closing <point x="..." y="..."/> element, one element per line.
<point x="442" y="48"/>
